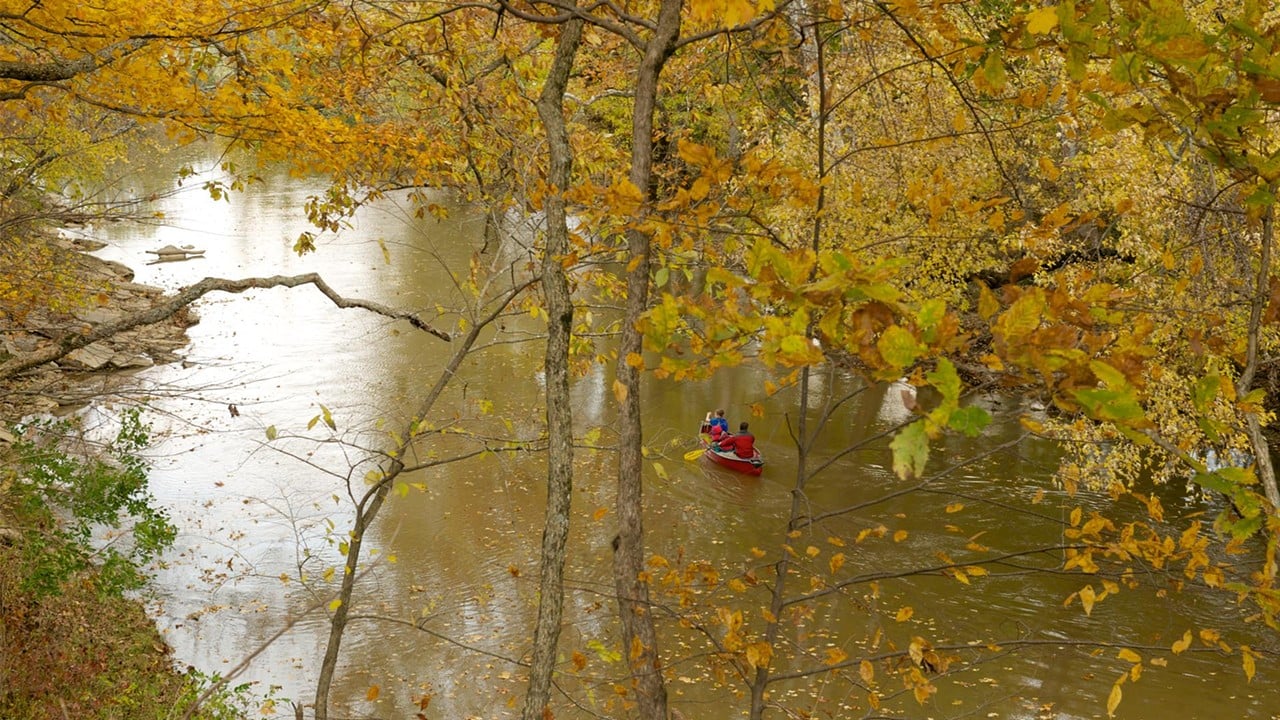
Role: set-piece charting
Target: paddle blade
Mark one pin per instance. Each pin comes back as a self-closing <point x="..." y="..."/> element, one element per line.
<point x="693" y="454"/>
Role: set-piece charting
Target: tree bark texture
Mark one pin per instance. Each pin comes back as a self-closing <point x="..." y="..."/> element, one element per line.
<point x="1253" y="426"/>
<point x="640" y="642"/>
<point x="555" y="286"/>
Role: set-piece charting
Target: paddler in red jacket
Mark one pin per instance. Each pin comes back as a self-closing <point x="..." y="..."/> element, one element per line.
<point x="742" y="443"/>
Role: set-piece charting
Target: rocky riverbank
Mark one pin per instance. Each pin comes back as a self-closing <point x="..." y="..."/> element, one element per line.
<point x="96" y="369"/>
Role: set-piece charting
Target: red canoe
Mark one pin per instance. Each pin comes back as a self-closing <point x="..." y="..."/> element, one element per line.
<point x="728" y="458"/>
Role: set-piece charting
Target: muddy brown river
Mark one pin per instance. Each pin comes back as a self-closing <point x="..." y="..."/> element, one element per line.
<point x="448" y="603"/>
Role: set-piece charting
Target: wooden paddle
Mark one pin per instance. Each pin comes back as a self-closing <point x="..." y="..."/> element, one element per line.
<point x="693" y="454"/>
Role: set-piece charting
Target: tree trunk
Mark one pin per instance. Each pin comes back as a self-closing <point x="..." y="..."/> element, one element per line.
<point x="555" y="531"/>
<point x="371" y="503"/>
<point x="640" y="643"/>
<point x="1253" y="427"/>
<point x="759" y="683"/>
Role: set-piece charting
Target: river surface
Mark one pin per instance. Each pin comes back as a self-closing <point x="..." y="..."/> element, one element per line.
<point x="449" y="599"/>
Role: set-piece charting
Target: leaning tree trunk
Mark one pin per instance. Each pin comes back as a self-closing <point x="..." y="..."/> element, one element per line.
<point x="555" y="530"/>
<point x="640" y="641"/>
<point x="371" y="503"/>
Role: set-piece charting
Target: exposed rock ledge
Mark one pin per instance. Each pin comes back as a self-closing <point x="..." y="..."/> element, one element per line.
<point x="100" y="366"/>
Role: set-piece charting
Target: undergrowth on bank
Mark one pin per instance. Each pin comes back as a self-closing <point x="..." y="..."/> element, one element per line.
<point x="79" y="528"/>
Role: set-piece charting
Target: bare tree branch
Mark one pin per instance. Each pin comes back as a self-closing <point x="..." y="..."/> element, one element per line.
<point x="190" y="294"/>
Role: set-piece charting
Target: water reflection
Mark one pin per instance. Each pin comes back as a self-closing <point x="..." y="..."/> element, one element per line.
<point x="448" y="605"/>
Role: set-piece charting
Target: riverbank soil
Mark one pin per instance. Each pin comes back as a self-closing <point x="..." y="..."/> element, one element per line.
<point x="76" y="653"/>
<point x="81" y="655"/>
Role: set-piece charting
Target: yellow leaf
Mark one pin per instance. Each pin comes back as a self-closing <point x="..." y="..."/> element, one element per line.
<point x="1129" y="656"/>
<point x="922" y="692"/>
<point x="759" y="654"/>
<point x="900" y="535"/>
<point x="328" y="574"/>
<point x="955" y="507"/>
<point x="812" y="551"/>
<point x="599" y="514"/>
<point x="1042" y="20"/>
<point x="737" y="585"/>
<point x="579" y="660"/>
<point x="1246" y="656"/>
<point x="833" y="540"/>
<point x="916" y="649"/>
<point x="635" y="360"/>
<point x="1159" y="662"/>
<point x="372" y="693"/>
<point x="619" y="391"/>
<point x="1087" y="598"/>
<point x="1181" y="646"/>
<point x="836" y="562"/>
<point x="835" y="656"/>
<point x="337" y="603"/>
<point x="1075" y="517"/>
<point x="757" y="552"/>
<point x="1050" y="170"/>
<point x="904" y="614"/>
<point x="867" y="671"/>
<point x="1113" y="701"/>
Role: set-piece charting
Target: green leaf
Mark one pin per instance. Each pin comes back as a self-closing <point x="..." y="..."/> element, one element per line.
<point x="328" y="418"/>
<point x="661" y="277"/>
<point x="605" y="654"/>
<point x="1245" y="527"/>
<point x="910" y="450"/>
<point x="1205" y="390"/>
<point x="1213" y="481"/>
<point x="994" y="72"/>
<point x="898" y="347"/>
<point x="946" y="381"/>
<point x="1109" y="375"/>
<point x="271" y="432"/>
<point x="1119" y="406"/>
<point x="969" y="420"/>
<point x="931" y="314"/>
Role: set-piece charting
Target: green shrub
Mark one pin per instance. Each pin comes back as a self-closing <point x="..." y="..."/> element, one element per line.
<point x="64" y="498"/>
